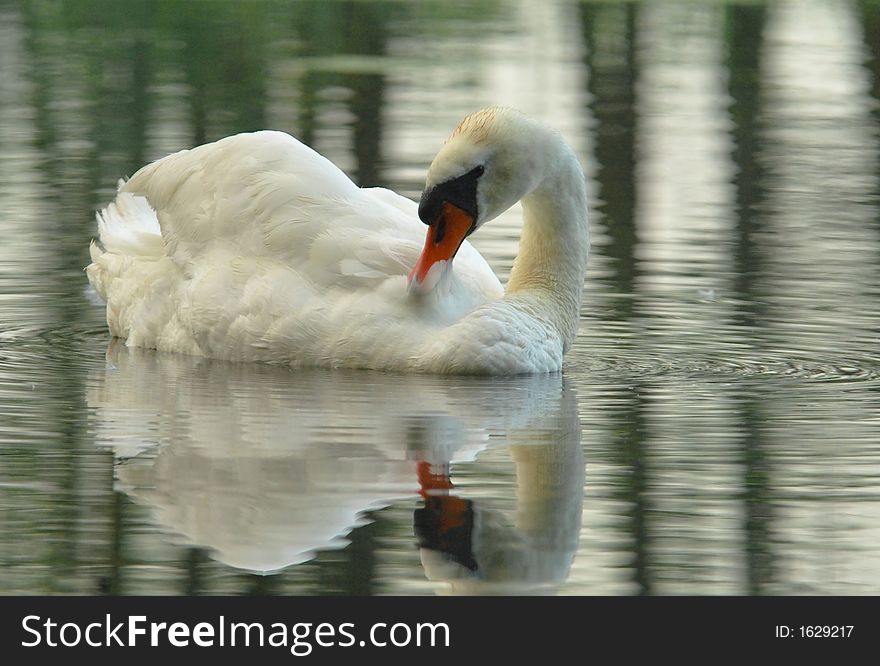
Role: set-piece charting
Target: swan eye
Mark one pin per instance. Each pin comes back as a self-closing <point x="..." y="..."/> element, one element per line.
<point x="460" y="191"/>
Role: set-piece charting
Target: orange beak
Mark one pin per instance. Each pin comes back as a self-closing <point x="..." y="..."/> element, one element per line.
<point x="445" y="236"/>
<point x="435" y="485"/>
<point x="433" y="479"/>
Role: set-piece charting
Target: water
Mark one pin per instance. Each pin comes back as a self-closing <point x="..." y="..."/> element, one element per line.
<point x="716" y="430"/>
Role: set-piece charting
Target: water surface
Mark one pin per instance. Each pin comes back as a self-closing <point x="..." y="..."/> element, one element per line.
<point x="716" y="429"/>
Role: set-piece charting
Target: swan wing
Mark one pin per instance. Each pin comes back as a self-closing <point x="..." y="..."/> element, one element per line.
<point x="265" y="192"/>
<point x="266" y="196"/>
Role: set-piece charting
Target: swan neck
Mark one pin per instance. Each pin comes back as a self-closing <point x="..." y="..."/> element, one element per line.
<point x="549" y="270"/>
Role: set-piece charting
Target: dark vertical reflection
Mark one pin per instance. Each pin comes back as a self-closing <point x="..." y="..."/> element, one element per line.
<point x="109" y="118"/>
<point x="353" y="570"/>
<point x="64" y="410"/>
<point x="745" y="26"/>
<point x="366" y="25"/>
<point x="196" y="561"/>
<point x="68" y="501"/>
<point x="871" y="31"/>
<point x="346" y="28"/>
<point x="137" y="104"/>
<point x="197" y="74"/>
<point x="315" y="25"/>
<point x="112" y="581"/>
<point x="610" y="40"/>
<point x="870" y="17"/>
<point x="257" y="585"/>
<point x="629" y="442"/>
<point x="225" y="59"/>
<point x="610" y="34"/>
<point x="38" y="73"/>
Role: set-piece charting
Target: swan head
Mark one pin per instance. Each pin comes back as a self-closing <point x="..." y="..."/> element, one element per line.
<point x="490" y="161"/>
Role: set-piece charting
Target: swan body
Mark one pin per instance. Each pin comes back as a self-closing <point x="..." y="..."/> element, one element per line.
<point x="257" y="248"/>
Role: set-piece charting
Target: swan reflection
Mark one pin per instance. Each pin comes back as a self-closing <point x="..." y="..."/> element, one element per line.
<point x="476" y="546"/>
<point x="265" y="466"/>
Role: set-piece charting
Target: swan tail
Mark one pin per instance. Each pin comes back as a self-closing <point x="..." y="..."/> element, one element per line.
<point x="128" y="231"/>
<point x="129" y="225"/>
<point x="131" y="270"/>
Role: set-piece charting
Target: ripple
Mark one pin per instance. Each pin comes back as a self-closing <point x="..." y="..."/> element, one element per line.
<point x="25" y="348"/>
<point x="37" y="362"/>
<point x="652" y="366"/>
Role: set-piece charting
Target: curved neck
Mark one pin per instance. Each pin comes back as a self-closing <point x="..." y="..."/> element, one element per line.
<point x="548" y="273"/>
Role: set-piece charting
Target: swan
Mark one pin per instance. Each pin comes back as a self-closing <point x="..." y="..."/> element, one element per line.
<point x="257" y="248"/>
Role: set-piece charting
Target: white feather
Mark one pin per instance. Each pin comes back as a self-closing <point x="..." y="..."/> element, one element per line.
<point x="257" y="248"/>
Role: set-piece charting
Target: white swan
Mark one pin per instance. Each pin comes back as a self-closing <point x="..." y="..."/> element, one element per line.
<point x="256" y="248"/>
